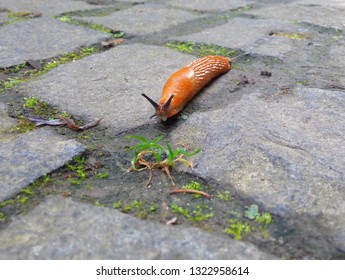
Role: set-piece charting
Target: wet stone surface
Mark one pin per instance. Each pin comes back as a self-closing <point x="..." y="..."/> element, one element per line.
<point x="271" y="131"/>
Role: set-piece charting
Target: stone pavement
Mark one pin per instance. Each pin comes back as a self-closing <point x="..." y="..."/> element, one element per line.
<point x="272" y="130"/>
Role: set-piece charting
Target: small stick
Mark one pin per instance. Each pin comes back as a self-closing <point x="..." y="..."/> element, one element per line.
<point x="190" y="191"/>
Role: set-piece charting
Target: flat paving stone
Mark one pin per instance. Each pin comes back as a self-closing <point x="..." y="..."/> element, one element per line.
<point x="111" y="84"/>
<point x="208" y="6"/>
<point x="32" y="155"/>
<point x="285" y="152"/>
<point x="60" y="228"/>
<point x="3" y="17"/>
<point x="46" y="7"/>
<point x="144" y="19"/>
<point x="304" y="12"/>
<point x="42" y="38"/>
<point x="251" y="35"/>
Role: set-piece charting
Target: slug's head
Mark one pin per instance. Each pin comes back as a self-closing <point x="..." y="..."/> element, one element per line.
<point x="161" y="110"/>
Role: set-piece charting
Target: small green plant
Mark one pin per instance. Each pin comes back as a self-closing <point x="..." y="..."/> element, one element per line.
<point x="264" y="220"/>
<point x="237" y="229"/>
<point x="2" y="217"/>
<point x="12" y="82"/>
<point x="193" y="186"/>
<point x="224" y="196"/>
<point x="187" y="47"/>
<point x="117" y="205"/>
<point x="102" y="175"/>
<point x="30" y="102"/>
<point x="23" y="125"/>
<point x="196" y="215"/>
<point x="252" y="212"/>
<point x="164" y="157"/>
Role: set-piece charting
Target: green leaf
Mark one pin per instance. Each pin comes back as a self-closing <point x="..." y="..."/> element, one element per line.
<point x="252" y="212"/>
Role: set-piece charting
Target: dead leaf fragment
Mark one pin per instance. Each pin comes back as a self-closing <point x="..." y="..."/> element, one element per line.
<point x="35" y="64"/>
<point x="110" y="43"/>
<point x="62" y="120"/>
<point x="41" y="121"/>
<point x="171" y="221"/>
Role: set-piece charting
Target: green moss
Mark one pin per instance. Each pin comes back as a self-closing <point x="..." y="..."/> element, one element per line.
<point x="2" y="217"/>
<point x="224" y="196"/>
<point x="97" y="203"/>
<point x="102" y="175"/>
<point x="117" y="205"/>
<point x="201" y="49"/>
<point x="23" y="125"/>
<point x="186" y="47"/>
<point x="22" y="199"/>
<point x="205" y="50"/>
<point x="30" y="102"/>
<point x="238" y="229"/>
<point x="12" y="82"/>
<point x="91" y="25"/>
<point x="195" y="215"/>
<point x="14" y="69"/>
<point x="193" y="186"/>
<point x="6" y="202"/>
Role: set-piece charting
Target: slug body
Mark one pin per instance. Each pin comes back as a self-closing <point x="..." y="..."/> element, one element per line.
<point x="184" y="84"/>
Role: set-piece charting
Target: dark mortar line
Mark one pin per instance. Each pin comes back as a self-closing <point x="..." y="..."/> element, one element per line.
<point x="104" y="11"/>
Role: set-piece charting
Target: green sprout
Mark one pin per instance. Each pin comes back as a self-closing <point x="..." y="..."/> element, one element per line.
<point x="237" y="229"/>
<point x="30" y="102"/>
<point x="150" y="154"/>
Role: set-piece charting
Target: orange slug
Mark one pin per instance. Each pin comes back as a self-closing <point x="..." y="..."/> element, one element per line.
<point x="184" y="84"/>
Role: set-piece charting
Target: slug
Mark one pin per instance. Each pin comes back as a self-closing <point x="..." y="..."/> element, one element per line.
<point x="184" y="84"/>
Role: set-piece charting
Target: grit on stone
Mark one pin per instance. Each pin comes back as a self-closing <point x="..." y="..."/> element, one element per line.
<point x="302" y="12"/>
<point x="42" y="38"/>
<point x="141" y="20"/>
<point x="287" y="153"/>
<point x="110" y="84"/>
<point x="250" y="35"/>
<point x="60" y="228"/>
<point x="32" y="155"/>
<point x="46" y="7"/>
<point x="6" y="123"/>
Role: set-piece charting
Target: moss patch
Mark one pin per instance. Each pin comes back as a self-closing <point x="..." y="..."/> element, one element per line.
<point x="201" y="49"/>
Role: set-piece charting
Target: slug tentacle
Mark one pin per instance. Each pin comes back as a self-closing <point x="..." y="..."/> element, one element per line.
<point x="184" y="84"/>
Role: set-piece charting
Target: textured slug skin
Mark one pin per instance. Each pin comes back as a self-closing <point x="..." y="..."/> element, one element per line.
<point x="187" y="82"/>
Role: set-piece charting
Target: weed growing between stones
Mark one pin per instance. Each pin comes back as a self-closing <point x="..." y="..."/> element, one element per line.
<point x="149" y="154"/>
<point x="201" y="49"/>
<point x="239" y="227"/>
<point x="97" y="27"/>
<point x="23" y="72"/>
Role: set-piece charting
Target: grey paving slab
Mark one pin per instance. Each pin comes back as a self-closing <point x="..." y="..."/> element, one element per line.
<point x="31" y="155"/>
<point x="206" y="5"/>
<point x="322" y="15"/>
<point x="3" y="17"/>
<point x="110" y="84"/>
<point x="282" y="152"/>
<point x="251" y="35"/>
<point x="60" y="228"/>
<point x="42" y="38"/>
<point x="46" y="7"/>
<point x="144" y="19"/>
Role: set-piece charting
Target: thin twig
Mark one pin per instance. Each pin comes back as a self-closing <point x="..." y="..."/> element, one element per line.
<point x="190" y="191"/>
